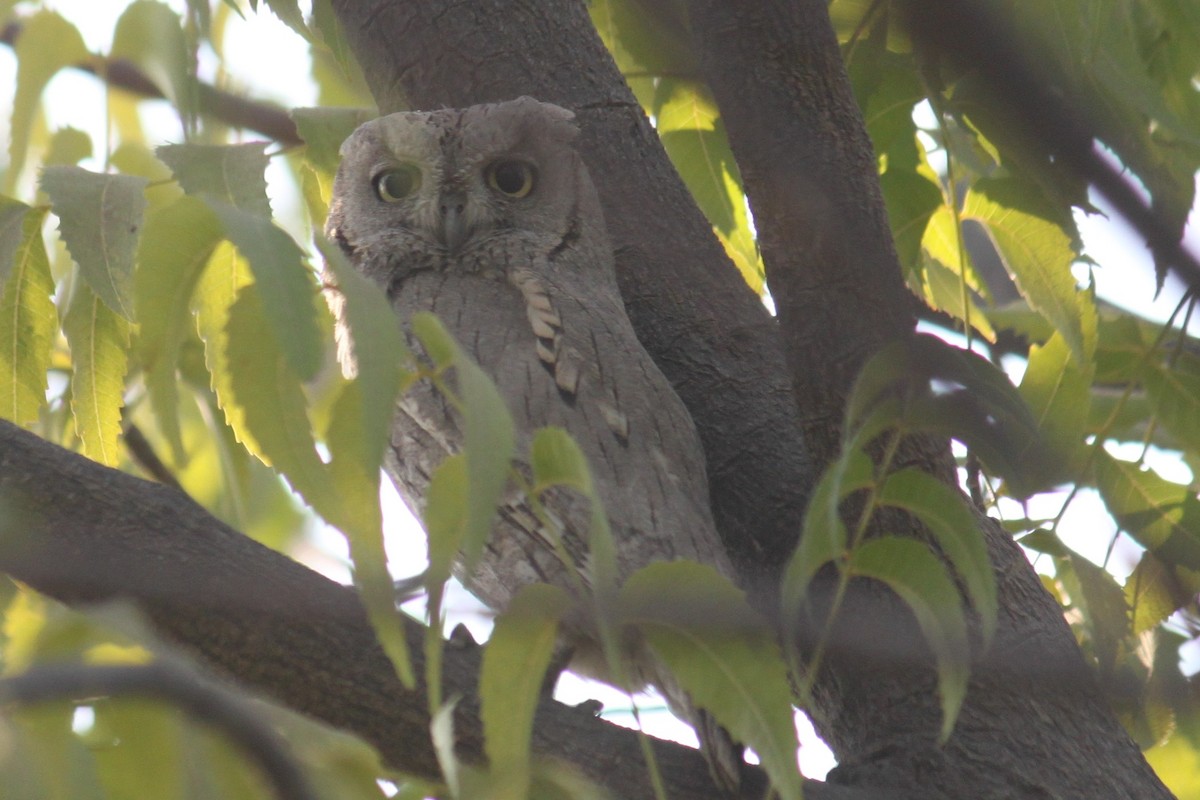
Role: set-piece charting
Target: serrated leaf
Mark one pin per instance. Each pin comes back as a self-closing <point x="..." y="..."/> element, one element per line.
<point x="944" y="292"/>
<point x="12" y="232"/>
<point x="1174" y="393"/>
<point x="325" y="23"/>
<point x="289" y="13"/>
<point x="1102" y="602"/>
<point x="285" y="284"/>
<point x="47" y="44"/>
<point x="919" y="578"/>
<point x="220" y="281"/>
<point x="511" y="682"/>
<point x="945" y="513"/>
<point x="100" y="220"/>
<point x="489" y="438"/>
<point x="176" y="245"/>
<point x="378" y="360"/>
<point x="911" y="199"/>
<point x="99" y="341"/>
<point x="323" y="131"/>
<point x="28" y="324"/>
<point x="151" y="35"/>
<point x="270" y="395"/>
<point x="1162" y="516"/>
<point x="1038" y="255"/>
<point x="722" y="654"/>
<point x="1153" y="593"/>
<point x="231" y="173"/>
<point x="1058" y="393"/>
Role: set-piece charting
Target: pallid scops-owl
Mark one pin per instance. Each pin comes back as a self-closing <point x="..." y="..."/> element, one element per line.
<point x="487" y="217"/>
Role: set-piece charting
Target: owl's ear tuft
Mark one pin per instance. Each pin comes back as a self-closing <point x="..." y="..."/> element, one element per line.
<point x="554" y="120"/>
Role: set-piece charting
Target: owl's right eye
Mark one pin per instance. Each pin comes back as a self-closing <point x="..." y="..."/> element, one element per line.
<point x="397" y="183"/>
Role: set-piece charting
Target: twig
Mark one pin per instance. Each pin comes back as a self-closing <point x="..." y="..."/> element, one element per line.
<point x="143" y="453"/>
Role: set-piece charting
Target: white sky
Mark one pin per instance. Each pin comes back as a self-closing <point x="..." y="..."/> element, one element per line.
<point x="264" y="58"/>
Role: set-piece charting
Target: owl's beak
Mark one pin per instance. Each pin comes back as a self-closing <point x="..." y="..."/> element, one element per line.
<point x="452" y="224"/>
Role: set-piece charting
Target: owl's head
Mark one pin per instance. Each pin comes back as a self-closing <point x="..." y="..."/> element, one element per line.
<point x="442" y="185"/>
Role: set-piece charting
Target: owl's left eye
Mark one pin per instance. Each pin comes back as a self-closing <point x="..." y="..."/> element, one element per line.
<point x="513" y="178"/>
<point x="397" y="183"/>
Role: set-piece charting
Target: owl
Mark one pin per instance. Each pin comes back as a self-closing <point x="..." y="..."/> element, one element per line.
<point x="487" y="217"/>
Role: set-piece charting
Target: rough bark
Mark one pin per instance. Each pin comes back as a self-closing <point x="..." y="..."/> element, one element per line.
<point x="1034" y="724"/>
<point x="83" y="533"/>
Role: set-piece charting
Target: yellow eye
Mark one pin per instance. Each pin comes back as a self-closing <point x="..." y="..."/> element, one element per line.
<point x="513" y="178"/>
<point x="397" y="183"/>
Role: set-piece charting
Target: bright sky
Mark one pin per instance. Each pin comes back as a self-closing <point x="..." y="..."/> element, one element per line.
<point x="264" y="58"/>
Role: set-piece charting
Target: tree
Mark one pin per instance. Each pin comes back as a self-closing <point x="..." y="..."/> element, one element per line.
<point x="757" y="100"/>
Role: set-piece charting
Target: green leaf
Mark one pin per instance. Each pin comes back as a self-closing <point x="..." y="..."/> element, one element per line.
<point x="1037" y="254"/>
<point x="47" y="44"/>
<point x="231" y="173"/>
<point x="289" y="12"/>
<point x="1153" y="593"/>
<point x="99" y="341"/>
<point x="323" y="131"/>
<point x="645" y="40"/>
<point x="1162" y="516"/>
<point x="912" y="571"/>
<point x="28" y="325"/>
<point x="1100" y="600"/>
<point x="145" y="733"/>
<point x="511" y="682"/>
<point x="175" y="247"/>
<point x="441" y="731"/>
<point x="99" y="219"/>
<point x="151" y="35"/>
<point x="691" y="130"/>
<point x="1058" y="393"/>
<point x="489" y="439"/>
<point x="12" y="232"/>
<point x="1174" y="393"/>
<point x="377" y="360"/>
<point x="272" y="399"/>
<point x="445" y="519"/>
<point x="285" y="285"/>
<point x="944" y="511"/>
<point x="944" y="292"/>
<point x="911" y="198"/>
<point x="722" y="654"/>
<point x="68" y="146"/>
<point x="351" y="502"/>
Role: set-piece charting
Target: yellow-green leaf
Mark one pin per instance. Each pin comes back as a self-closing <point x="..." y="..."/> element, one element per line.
<point x="99" y="340"/>
<point x="176" y="244"/>
<point x="220" y="281"/>
<point x="722" y="654"/>
<point x="47" y="44"/>
<point x="286" y="288"/>
<point x="151" y="35"/>
<point x="28" y="324"/>
<point x="100" y="220"/>
<point x="1038" y="255"/>
<point x="1162" y="516"/>
<point x="12" y="232"/>
<point x="270" y="395"/>
<point x="511" y="682"/>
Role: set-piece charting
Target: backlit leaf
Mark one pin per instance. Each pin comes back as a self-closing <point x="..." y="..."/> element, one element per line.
<point x="28" y="325"/>
<point x="285" y="284"/>
<point x="175" y="247"/>
<point x="47" y="44"/>
<point x="12" y="232"/>
<point x="722" y="654"/>
<point x="1038" y="255"/>
<point x="151" y="35"/>
<point x="99" y="340"/>
<point x="100" y="220"/>
<point x="1162" y="516"/>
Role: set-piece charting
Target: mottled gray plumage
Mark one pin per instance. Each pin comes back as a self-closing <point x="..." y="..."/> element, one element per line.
<point x="487" y="217"/>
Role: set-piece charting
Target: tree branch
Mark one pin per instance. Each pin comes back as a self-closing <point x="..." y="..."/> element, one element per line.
<point x="83" y="533"/>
